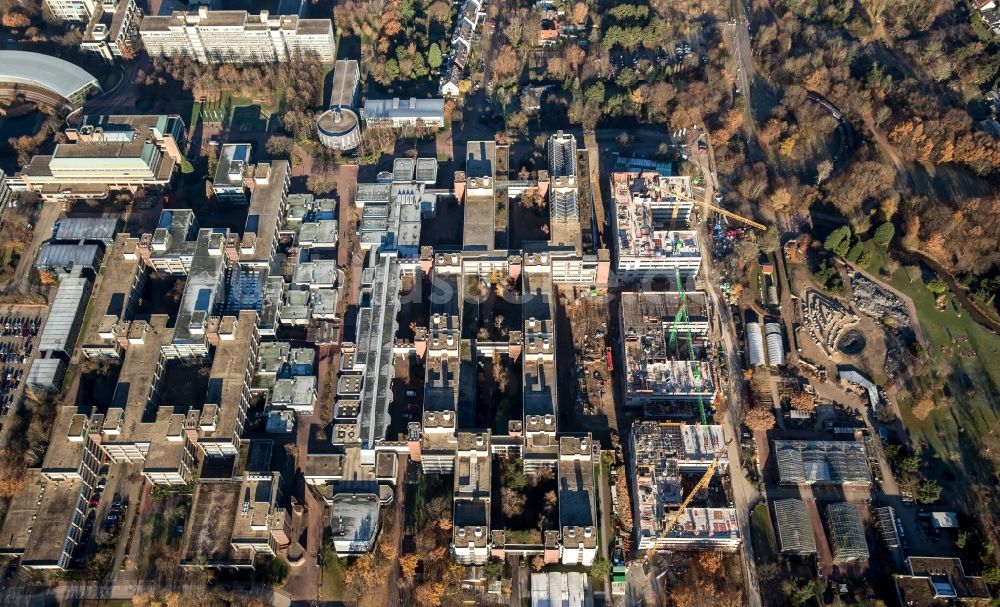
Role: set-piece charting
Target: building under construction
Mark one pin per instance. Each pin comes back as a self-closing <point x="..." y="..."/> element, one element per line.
<point x="651" y="217"/>
<point x="662" y="453"/>
<point x="795" y="530"/>
<point x="663" y="351"/>
<point x="847" y="533"/>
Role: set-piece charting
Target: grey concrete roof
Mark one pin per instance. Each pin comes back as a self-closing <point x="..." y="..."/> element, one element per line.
<point x="51" y="73"/>
<point x="87" y="228"/>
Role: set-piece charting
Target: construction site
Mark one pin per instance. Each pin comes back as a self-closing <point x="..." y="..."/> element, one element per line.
<point x="677" y="495"/>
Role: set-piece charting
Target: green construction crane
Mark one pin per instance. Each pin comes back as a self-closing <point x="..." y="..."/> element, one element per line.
<point x="681" y="317"/>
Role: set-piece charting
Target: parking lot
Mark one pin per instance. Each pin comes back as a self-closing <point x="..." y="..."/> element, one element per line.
<point x="19" y="328"/>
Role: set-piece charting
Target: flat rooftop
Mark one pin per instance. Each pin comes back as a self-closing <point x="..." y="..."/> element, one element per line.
<point x="115" y="291"/>
<point x="940" y="581"/>
<point x="66" y="447"/>
<point x="203" y="287"/>
<point x="18" y="523"/>
<point x="470" y="513"/>
<point x="138" y="374"/>
<point x="354" y="517"/>
<point x="478" y="229"/>
<point x="539" y="381"/>
<point x="441" y="384"/>
<point x="229" y="375"/>
<point x="576" y="493"/>
<point x="265" y="213"/>
<point x="253" y="519"/>
<point x="209" y="532"/>
<point x="234" y="164"/>
<point x="480" y="159"/>
<point x="51" y="524"/>
<point x="472" y="476"/>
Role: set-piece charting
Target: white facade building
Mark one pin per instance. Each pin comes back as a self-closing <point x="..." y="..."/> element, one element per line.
<point x="237" y="37"/>
<point x="71" y="10"/>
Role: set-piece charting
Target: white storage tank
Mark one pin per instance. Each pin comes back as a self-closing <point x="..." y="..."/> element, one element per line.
<point x="755" y="344"/>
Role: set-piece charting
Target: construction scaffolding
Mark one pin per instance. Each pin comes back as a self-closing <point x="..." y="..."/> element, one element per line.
<point x="829" y="462"/>
<point x="662" y="452"/>
<point x="847" y="533"/>
<point x="794" y="527"/>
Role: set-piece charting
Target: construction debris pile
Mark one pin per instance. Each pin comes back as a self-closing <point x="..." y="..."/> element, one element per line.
<point x="878" y="302"/>
<point x="827" y="320"/>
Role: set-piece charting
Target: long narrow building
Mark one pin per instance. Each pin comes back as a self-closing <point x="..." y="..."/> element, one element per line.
<point x="237" y="37"/>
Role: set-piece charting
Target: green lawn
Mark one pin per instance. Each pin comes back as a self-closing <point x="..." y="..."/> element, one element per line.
<point x="765" y="546"/>
<point x="967" y="380"/>
<point x="961" y="428"/>
<point x="334" y="572"/>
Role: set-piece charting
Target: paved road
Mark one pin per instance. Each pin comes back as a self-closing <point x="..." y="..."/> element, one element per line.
<point x="395" y="595"/>
<point x="745" y="495"/>
<point x="71" y="592"/>
<point x="122" y="98"/>
<point x="42" y="231"/>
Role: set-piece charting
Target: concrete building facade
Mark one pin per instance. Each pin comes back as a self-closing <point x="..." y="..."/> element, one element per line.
<point x="237" y="37"/>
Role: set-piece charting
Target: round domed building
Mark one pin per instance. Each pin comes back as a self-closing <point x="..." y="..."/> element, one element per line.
<point x="339" y="129"/>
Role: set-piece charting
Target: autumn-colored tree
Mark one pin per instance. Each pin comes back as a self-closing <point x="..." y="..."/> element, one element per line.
<point x="387" y="549"/>
<point x="803" y="401"/>
<point x="320" y="183"/>
<point x="580" y="13"/>
<point x="505" y="64"/>
<point x="16" y="20"/>
<point x="439" y="11"/>
<point x="429" y="594"/>
<point x="709" y="562"/>
<point x="362" y="575"/>
<point x="575" y="56"/>
<point x="142" y="599"/>
<point x="408" y="565"/>
<point x="129" y="51"/>
<point x="551" y="501"/>
<point x="512" y="502"/>
<point x="923" y="407"/>
<point x="759" y="418"/>
<point x="537" y="563"/>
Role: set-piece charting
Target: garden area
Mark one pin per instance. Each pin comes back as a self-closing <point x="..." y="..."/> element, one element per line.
<point x="403" y="43"/>
<point x="528" y="504"/>
<point x="498" y="397"/>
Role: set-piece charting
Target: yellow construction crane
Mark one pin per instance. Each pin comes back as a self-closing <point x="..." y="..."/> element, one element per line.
<point x="707" y="206"/>
<point x="717" y="209"/>
<point x="698" y="488"/>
